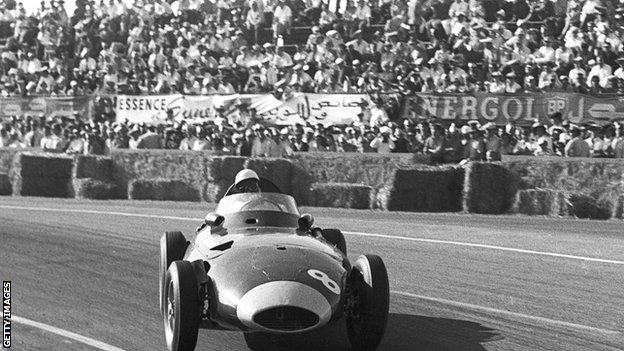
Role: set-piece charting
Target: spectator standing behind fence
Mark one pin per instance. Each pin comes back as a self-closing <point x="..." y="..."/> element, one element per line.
<point x="435" y="144"/>
<point x="383" y="143"/>
<point x="492" y="142"/>
<point x="576" y="147"/>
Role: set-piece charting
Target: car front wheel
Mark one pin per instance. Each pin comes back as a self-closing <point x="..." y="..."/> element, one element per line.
<point x="172" y="248"/>
<point x="367" y="303"/>
<point x="182" y="310"/>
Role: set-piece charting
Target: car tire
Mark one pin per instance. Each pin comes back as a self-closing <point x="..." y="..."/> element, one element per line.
<point x="172" y="248"/>
<point x="335" y="237"/>
<point x="258" y="341"/>
<point x="181" y="318"/>
<point x="368" y="303"/>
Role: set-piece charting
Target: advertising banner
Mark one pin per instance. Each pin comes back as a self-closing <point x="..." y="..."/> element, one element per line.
<point x="49" y="106"/>
<point x="326" y="109"/>
<point x="521" y="108"/>
<point x="153" y="109"/>
<point x="67" y="106"/>
<point x="150" y="109"/>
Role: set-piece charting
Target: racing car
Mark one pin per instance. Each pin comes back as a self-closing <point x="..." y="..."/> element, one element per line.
<point x="258" y="266"/>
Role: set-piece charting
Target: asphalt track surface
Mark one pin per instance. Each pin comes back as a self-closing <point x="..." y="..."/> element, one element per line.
<point x="459" y="282"/>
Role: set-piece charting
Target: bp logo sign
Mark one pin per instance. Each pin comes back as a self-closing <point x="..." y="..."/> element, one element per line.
<point x="556" y="104"/>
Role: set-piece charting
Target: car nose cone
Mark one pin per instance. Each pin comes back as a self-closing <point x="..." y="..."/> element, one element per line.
<point x="283" y="306"/>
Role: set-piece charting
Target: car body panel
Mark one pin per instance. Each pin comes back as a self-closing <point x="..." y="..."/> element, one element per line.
<point x="259" y="257"/>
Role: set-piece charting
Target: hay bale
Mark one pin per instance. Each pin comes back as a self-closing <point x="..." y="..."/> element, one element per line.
<point x="561" y="205"/>
<point x="618" y="208"/>
<point x="223" y="168"/>
<point x="189" y="167"/>
<point x="585" y="206"/>
<point x="277" y="170"/>
<point x="431" y="189"/>
<point x="45" y="165"/>
<point x="5" y="184"/>
<point x="489" y="188"/>
<point x="214" y="191"/>
<point x="91" y="188"/>
<point x="542" y="202"/>
<point x="343" y="195"/>
<point x="37" y="174"/>
<point x="45" y="187"/>
<point x="162" y="189"/>
<point x="300" y="185"/>
<point x="96" y="167"/>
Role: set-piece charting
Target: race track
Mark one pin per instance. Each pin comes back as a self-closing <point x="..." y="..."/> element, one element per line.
<point x="85" y="277"/>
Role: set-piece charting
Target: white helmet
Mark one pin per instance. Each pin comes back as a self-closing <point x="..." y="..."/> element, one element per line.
<point x="244" y="175"/>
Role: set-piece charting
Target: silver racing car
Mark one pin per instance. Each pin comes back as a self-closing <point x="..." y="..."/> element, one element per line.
<point x="258" y="266"/>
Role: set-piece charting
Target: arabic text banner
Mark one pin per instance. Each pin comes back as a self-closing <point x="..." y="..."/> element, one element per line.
<point x="327" y="109"/>
<point x="522" y="108"/>
<point x="49" y="106"/>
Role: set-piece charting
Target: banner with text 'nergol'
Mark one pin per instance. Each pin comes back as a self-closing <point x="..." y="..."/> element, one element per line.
<point x="521" y="108"/>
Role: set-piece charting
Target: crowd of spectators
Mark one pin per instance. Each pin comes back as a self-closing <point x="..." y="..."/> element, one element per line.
<point x="227" y="46"/>
<point x="455" y="143"/>
<point x="207" y="47"/>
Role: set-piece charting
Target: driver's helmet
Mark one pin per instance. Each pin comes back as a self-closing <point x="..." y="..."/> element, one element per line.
<point x="247" y="181"/>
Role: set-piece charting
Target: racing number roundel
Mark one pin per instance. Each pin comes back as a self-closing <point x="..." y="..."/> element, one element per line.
<point x="325" y="279"/>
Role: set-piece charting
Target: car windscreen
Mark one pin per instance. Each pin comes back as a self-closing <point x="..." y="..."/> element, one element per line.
<point x="257" y="202"/>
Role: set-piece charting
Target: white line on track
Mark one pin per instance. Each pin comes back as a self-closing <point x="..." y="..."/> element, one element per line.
<point x="484" y="246"/>
<point x="381" y="236"/>
<point x="494" y="311"/>
<point x="66" y="334"/>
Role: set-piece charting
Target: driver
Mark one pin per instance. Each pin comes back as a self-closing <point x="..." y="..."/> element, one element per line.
<point x="247" y="181"/>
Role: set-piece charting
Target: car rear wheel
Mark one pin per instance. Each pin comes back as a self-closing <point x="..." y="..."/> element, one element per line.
<point x="181" y="317"/>
<point x="336" y="237"/>
<point x="367" y="303"/>
<point x="172" y="248"/>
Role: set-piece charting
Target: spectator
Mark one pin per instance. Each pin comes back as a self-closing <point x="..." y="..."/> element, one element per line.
<point x="383" y="143"/>
<point x="492" y="142"/>
<point x="543" y="143"/>
<point x="282" y="19"/>
<point x="150" y="139"/>
<point x="435" y="144"/>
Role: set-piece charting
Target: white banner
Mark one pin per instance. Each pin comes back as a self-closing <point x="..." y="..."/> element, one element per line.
<point x="150" y="109"/>
<point x="326" y="109"/>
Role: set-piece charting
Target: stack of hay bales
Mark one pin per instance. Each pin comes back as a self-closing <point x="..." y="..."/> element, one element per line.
<point x="428" y="189"/>
<point x="5" y="184"/>
<point x="544" y="202"/>
<point x="162" y="189"/>
<point x="92" y="178"/>
<point x="39" y="174"/>
<point x="618" y="208"/>
<point x="184" y="166"/>
<point x="220" y="174"/>
<point x="489" y="188"/>
<point x="289" y="177"/>
<point x="550" y="202"/>
<point x="344" y="195"/>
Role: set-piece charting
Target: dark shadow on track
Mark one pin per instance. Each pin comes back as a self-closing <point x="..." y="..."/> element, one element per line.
<point x="410" y="332"/>
<point x="404" y="333"/>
